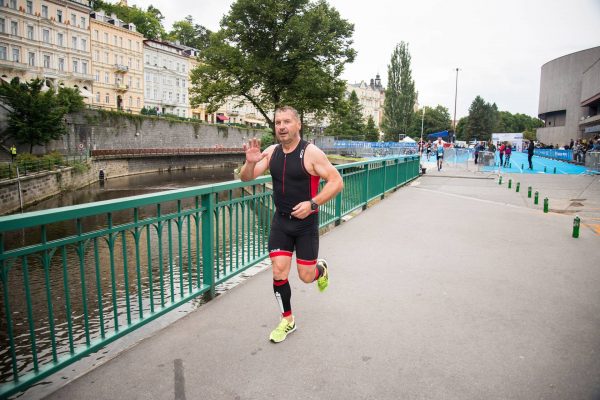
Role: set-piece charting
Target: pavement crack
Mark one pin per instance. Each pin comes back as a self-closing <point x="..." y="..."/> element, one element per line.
<point x="179" y="379"/>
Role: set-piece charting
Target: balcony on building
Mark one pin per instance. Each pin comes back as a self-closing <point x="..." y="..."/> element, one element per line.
<point x="14" y="65"/>
<point x="121" y="68"/>
<point x="121" y="87"/>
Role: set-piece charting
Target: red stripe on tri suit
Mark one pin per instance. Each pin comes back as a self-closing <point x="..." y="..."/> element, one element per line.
<point x="280" y="283"/>
<point x="306" y="262"/>
<point x="314" y="185"/>
<point x="278" y="253"/>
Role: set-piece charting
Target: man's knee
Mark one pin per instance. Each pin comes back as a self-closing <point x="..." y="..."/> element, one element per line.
<point x="306" y="273"/>
<point x="281" y="267"/>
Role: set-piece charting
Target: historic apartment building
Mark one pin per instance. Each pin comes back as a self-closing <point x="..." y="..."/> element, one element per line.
<point x="117" y="63"/>
<point x="49" y="40"/>
<point x="570" y="97"/>
<point x="167" y="77"/>
<point x="371" y="97"/>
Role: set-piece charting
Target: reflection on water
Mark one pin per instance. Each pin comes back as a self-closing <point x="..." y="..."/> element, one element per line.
<point x="122" y="275"/>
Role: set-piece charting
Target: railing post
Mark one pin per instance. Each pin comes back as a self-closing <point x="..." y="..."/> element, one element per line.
<point x="366" y="187"/>
<point x="208" y="268"/>
<point x="384" y="166"/>
<point x="397" y="168"/>
<point x="338" y="209"/>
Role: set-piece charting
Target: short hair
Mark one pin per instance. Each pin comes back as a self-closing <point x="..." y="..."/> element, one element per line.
<point x="290" y="109"/>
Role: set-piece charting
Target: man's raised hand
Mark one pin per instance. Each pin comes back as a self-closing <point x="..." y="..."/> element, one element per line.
<point x="253" y="153"/>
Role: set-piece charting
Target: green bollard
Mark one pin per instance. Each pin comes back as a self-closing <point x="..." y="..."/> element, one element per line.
<point x="545" y="204"/>
<point x="536" y="198"/>
<point x="529" y="192"/>
<point x="510" y="183"/>
<point x="554" y="169"/>
<point x="576" y="223"/>
<point x="509" y="165"/>
<point x="518" y="187"/>
<point x="544" y="169"/>
<point x="500" y="180"/>
<point x="522" y="167"/>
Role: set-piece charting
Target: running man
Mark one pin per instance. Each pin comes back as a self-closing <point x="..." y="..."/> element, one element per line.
<point x="439" y="151"/>
<point x="296" y="167"/>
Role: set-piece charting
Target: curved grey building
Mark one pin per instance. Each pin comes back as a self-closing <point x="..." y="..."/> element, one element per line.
<point x="570" y="97"/>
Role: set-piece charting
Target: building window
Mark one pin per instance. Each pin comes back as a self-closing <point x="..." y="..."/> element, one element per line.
<point x="96" y="55"/>
<point x="59" y="15"/>
<point x="105" y="37"/>
<point x="148" y="77"/>
<point x="75" y="66"/>
<point x="2" y="25"/>
<point x="14" y="28"/>
<point x="183" y="98"/>
<point x="29" y="32"/>
<point x="74" y="20"/>
<point x="83" y="44"/>
<point x="45" y="11"/>
<point x="97" y="97"/>
<point x="3" y="53"/>
<point x="97" y="35"/>
<point x="97" y="76"/>
<point x="61" y="64"/>
<point x="46" y="61"/>
<point x="16" y="54"/>
<point x="130" y="44"/>
<point x="29" y="6"/>
<point x="106" y="58"/>
<point x="106" y="77"/>
<point x="115" y="40"/>
<point x="130" y="84"/>
<point x="46" y="36"/>
<point x="147" y="59"/>
<point x="59" y="39"/>
<point x="13" y="4"/>
<point x="74" y="39"/>
<point x="31" y="59"/>
<point x="137" y="62"/>
<point x="120" y="42"/>
<point x="107" y="98"/>
<point x="84" y="67"/>
<point x="82" y="23"/>
<point x="137" y="83"/>
<point x="177" y="79"/>
<point x="155" y="97"/>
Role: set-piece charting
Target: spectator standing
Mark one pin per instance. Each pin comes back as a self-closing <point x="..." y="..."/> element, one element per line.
<point x="507" y="153"/>
<point x="501" y="150"/>
<point x="530" y="150"/>
<point x="13" y="153"/>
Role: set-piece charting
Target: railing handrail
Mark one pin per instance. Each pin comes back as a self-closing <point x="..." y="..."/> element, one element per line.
<point x="189" y="250"/>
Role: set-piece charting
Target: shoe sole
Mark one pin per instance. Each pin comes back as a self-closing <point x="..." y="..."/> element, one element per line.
<point x="286" y="335"/>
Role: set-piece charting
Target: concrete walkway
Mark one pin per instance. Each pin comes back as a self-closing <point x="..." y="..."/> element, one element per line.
<point x="451" y="288"/>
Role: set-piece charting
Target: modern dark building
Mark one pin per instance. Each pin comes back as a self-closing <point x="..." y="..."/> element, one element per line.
<point x="570" y="97"/>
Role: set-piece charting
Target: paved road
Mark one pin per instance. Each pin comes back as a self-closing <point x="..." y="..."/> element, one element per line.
<point x="451" y="288"/>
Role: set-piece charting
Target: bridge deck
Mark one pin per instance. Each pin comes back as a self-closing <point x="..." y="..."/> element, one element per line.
<point x="450" y="288"/>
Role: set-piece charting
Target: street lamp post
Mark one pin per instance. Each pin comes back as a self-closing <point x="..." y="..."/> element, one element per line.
<point x="422" y="121"/>
<point x="455" y="96"/>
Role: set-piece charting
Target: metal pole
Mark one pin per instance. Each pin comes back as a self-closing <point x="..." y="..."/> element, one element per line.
<point x="422" y="122"/>
<point x="455" y="97"/>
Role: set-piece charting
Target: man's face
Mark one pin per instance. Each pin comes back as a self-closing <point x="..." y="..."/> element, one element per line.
<point x="287" y="127"/>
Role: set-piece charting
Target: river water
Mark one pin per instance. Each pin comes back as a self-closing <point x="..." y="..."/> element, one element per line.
<point x="111" y="189"/>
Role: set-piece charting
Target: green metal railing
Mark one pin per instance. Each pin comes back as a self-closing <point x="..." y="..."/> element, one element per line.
<point x="74" y="279"/>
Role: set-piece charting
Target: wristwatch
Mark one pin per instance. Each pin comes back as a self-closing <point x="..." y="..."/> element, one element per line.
<point x="313" y="205"/>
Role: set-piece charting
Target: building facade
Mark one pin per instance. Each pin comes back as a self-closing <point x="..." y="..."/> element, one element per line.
<point x="49" y="40"/>
<point x="167" y="78"/>
<point x="117" y="63"/>
<point x="570" y="97"/>
<point x="371" y="97"/>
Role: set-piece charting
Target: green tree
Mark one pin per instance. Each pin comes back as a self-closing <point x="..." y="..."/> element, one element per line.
<point x="347" y="121"/>
<point x="148" y="22"/>
<point x="35" y="116"/>
<point x="189" y="34"/>
<point x="482" y="120"/>
<point x="400" y="94"/>
<point x="273" y="53"/>
<point x="371" y="131"/>
<point x="461" y="128"/>
<point x="436" y="120"/>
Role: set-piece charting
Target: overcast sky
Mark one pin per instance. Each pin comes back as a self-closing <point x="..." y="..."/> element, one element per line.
<point x="499" y="46"/>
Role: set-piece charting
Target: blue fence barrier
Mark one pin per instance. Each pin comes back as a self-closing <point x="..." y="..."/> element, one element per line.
<point x="566" y="155"/>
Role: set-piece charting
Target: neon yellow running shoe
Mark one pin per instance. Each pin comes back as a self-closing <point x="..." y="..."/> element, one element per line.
<point x="323" y="281"/>
<point x="284" y="328"/>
